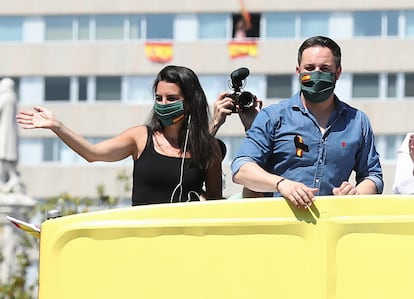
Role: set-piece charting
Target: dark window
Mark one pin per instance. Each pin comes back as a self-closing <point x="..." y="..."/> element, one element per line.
<point x="239" y="25"/>
<point x="279" y="86"/>
<point x="108" y="88"/>
<point x="82" y="92"/>
<point x="57" y="89"/>
<point x="409" y="85"/>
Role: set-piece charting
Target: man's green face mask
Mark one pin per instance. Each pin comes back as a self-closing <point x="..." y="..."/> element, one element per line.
<point x="317" y="86"/>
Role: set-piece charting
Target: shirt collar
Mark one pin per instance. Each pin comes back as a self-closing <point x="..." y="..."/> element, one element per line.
<point x="298" y="105"/>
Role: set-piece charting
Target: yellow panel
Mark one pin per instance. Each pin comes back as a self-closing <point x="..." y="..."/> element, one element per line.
<point x="345" y="247"/>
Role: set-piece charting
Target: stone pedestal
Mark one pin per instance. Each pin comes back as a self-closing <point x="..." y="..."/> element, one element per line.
<point x="11" y="204"/>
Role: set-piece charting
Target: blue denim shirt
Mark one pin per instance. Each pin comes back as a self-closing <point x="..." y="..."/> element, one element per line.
<point x="316" y="160"/>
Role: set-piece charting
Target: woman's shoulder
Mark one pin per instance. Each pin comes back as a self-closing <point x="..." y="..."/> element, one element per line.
<point x="139" y="134"/>
<point x="139" y="130"/>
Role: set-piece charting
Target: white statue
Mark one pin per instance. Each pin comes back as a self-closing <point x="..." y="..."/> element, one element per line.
<point x="9" y="177"/>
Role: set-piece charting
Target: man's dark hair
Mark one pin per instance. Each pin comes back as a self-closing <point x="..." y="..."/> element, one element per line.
<point x="321" y="41"/>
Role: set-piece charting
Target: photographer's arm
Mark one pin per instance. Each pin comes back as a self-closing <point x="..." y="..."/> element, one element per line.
<point x="222" y="108"/>
<point x="247" y="116"/>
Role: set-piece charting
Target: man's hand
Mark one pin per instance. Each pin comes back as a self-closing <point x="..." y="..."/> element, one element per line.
<point x="297" y="193"/>
<point x="346" y="188"/>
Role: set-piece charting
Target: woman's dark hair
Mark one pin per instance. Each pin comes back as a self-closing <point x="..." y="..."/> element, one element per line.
<point x="321" y="41"/>
<point x="195" y="104"/>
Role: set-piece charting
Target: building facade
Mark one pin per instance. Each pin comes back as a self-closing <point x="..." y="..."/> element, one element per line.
<point x="88" y="61"/>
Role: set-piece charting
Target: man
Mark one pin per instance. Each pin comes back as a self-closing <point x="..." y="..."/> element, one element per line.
<point x="309" y="144"/>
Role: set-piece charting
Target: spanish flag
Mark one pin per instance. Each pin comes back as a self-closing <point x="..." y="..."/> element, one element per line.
<point x="305" y="78"/>
<point x="160" y="52"/>
<point x="238" y="49"/>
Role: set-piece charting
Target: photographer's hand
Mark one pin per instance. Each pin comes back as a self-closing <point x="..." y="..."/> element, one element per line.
<point x="222" y="107"/>
<point x="248" y="115"/>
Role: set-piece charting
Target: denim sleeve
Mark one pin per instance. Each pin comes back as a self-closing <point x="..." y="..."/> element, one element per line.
<point x="239" y="162"/>
<point x="256" y="147"/>
<point x="368" y="164"/>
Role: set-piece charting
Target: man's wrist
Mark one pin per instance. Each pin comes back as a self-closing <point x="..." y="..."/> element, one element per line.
<point x="278" y="183"/>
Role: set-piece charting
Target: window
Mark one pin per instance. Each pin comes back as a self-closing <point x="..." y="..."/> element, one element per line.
<point x="214" y="85"/>
<point x="387" y="146"/>
<point x="109" y="27"/>
<point x="108" y="88"/>
<point x="57" y="89"/>
<point x="409" y="17"/>
<point x="34" y="147"/>
<point x="11" y="29"/>
<point x="367" y="23"/>
<point x="280" y="25"/>
<point x="391" y="85"/>
<point x="279" y="86"/>
<point x="314" y="24"/>
<point x="58" y="28"/>
<point x="365" y="86"/>
<point x="159" y="26"/>
<point x="140" y="88"/>
<point x="392" y="23"/>
<point x="409" y="85"/>
<point x="239" y="26"/>
<point x="212" y="26"/>
<point x="135" y="27"/>
<point x="51" y="149"/>
<point x="83" y="28"/>
<point x="82" y="89"/>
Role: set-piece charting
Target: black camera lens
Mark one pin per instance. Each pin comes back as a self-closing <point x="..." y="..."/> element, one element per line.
<point x="246" y="100"/>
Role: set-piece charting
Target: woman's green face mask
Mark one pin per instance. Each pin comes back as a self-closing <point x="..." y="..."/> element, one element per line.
<point x="170" y="113"/>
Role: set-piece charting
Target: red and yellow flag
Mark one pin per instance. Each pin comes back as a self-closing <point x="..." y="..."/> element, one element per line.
<point x="239" y="49"/>
<point x="305" y="78"/>
<point x="159" y="52"/>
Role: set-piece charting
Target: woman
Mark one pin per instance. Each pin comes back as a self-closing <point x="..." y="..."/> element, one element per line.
<point x="404" y="170"/>
<point x="174" y="155"/>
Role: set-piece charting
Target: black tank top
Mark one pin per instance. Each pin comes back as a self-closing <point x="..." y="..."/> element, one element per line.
<point x="156" y="176"/>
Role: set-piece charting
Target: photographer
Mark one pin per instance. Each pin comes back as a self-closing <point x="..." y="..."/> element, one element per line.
<point x="223" y="107"/>
<point x="245" y="104"/>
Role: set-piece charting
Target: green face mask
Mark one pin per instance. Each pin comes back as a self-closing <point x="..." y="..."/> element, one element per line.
<point x="170" y="113"/>
<point x="317" y="86"/>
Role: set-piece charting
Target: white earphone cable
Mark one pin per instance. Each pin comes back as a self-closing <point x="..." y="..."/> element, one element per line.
<point x="180" y="183"/>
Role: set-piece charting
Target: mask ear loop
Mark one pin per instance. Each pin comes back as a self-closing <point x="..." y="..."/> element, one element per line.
<point x="180" y="183"/>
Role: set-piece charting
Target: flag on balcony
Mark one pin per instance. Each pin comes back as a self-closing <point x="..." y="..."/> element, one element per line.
<point x="160" y="52"/>
<point x="238" y="49"/>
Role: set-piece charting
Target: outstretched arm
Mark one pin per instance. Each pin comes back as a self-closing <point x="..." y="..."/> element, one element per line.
<point x="114" y="149"/>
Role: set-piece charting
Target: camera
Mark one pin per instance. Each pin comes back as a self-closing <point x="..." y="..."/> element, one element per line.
<point x="244" y="99"/>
